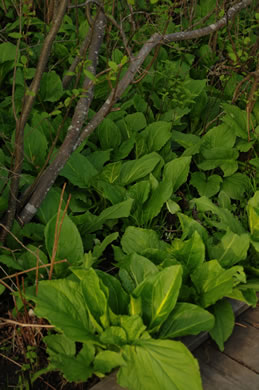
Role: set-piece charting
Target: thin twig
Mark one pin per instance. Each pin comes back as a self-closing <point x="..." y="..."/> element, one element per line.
<point x="11" y="360"/>
<point x="32" y="269"/>
<point x="23" y="325"/>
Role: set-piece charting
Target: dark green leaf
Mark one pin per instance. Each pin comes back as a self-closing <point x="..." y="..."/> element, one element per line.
<point x="118" y="299"/>
<point x="232" y="249"/>
<point x="62" y="357"/>
<point x="35" y="146"/>
<point x="69" y="245"/>
<point x="186" y="319"/>
<point x="114" y="335"/>
<point x="7" y="52"/>
<point x="136" y="121"/>
<point x="78" y="170"/>
<point x="224" y="323"/>
<point x="236" y="185"/>
<point x="138" y="239"/>
<point x="51" y="88"/>
<point x="206" y="186"/>
<point x="191" y="252"/>
<point x="136" y="169"/>
<point x="213" y="282"/>
<point x="50" y="204"/>
<point x="109" y="134"/>
<point x="156" y="135"/>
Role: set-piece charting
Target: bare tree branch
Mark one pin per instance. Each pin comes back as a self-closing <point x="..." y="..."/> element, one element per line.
<point x="50" y="174"/>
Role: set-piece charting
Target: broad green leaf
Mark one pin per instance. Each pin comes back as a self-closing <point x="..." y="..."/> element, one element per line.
<point x="35" y="146"/>
<point x="236" y="119"/>
<point x="137" y="239"/>
<point x="159" y="256"/>
<point x="126" y="281"/>
<point x="114" y="335"/>
<point x="140" y="147"/>
<point x="118" y="299"/>
<point x="204" y="204"/>
<point x="7" y="52"/>
<point x="175" y="174"/>
<point x="113" y="192"/>
<point x="185" y="140"/>
<point x="176" y="171"/>
<point x="51" y="88"/>
<point x="78" y="170"/>
<point x="158" y="293"/>
<point x="138" y="267"/>
<point x="186" y="319"/>
<point x="206" y="186"/>
<point x="140" y="103"/>
<point x="224" y="200"/>
<point x="253" y="215"/>
<point x="136" y="121"/>
<point x="159" y="196"/>
<point x="119" y="210"/>
<point x="212" y="282"/>
<point x="159" y="364"/>
<point x="224" y="323"/>
<point x="236" y="185"/>
<point x="67" y="311"/>
<point x="90" y="222"/>
<point x="99" y="158"/>
<point x="196" y="86"/>
<point x="133" y="326"/>
<point x="231" y="249"/>
<point x="190" y="253"/>
<point x="63" y="357"/>
<point x="156" y="135"/>
<point x="50" y="204"/>
<point x="94" y="296"/>
<point x="136" y="169"/>
<point x="124" y="149"/>
<point x="219" y="136"/>
<point x="222" y="157"/>
<point x="69" y="244"/>
<point x="172" y="206"/>
<point x="189" y="226"/>
<point x="111" y="172"/>
<point x="10" y="262"/>
<point x="109" y="134"/>
<point x="227" y="219"/>
<point x="105" y="361"/>
<point x="140" y="191"/>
